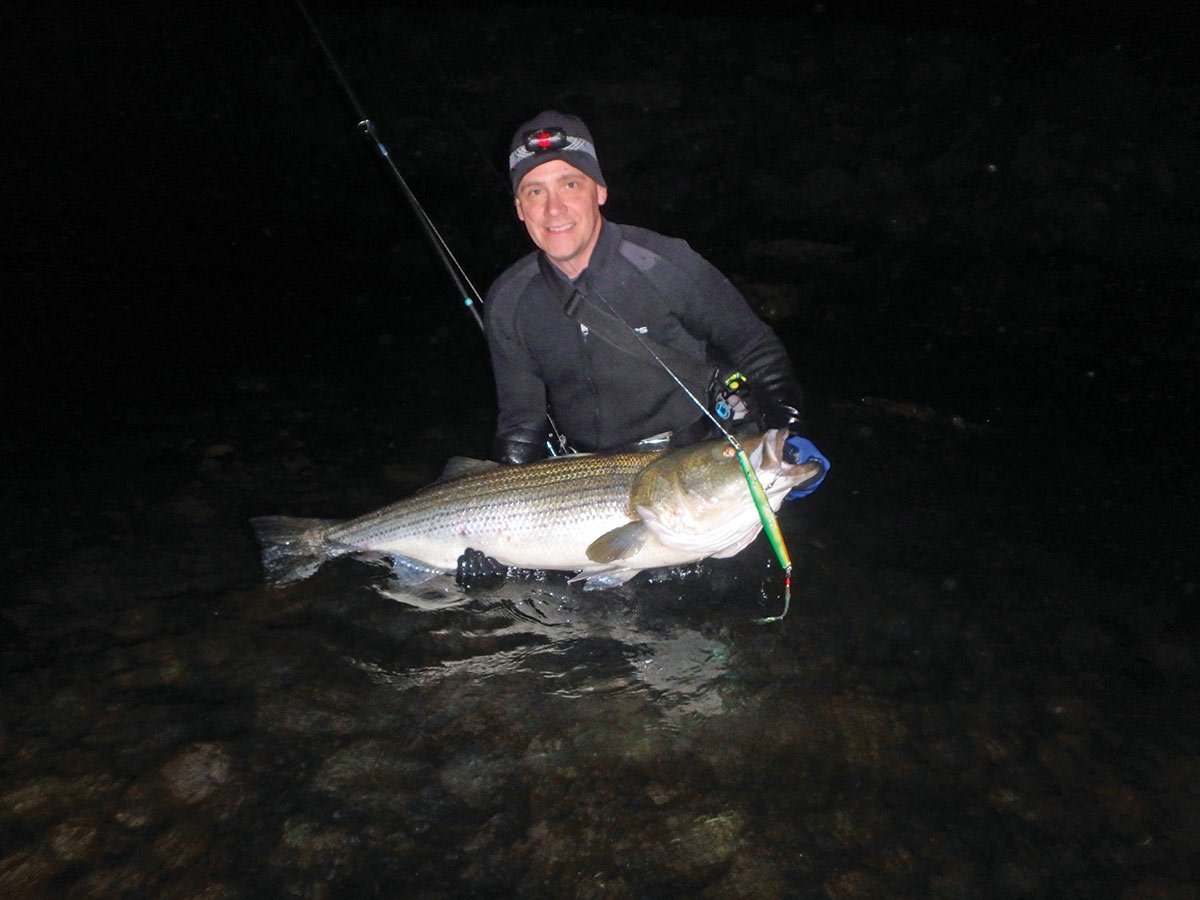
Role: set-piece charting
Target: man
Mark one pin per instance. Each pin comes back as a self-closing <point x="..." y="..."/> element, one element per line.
<point x="581" y="327"/>
<point x="604" y="391"/>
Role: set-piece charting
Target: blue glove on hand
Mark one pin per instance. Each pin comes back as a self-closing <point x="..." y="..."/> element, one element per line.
<point x="797" y="451"/>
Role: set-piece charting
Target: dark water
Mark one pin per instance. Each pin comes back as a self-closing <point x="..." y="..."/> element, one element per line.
<point x="981" y="690"/>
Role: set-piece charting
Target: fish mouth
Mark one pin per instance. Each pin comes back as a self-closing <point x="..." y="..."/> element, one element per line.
<point x="772" y="461"/>
<point x="772" y="451"/>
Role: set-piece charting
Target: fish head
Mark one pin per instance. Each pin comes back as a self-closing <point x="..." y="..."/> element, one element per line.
<point x="702" y="489"/>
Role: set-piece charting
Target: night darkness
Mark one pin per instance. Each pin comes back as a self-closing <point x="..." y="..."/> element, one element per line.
<point x="974" y="226"/>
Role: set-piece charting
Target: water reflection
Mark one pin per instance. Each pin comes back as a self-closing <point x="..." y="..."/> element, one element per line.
<point x="569" y="645"/>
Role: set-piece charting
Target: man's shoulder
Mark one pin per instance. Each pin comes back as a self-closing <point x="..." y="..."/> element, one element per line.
<point x="513" y="281"/>
<point x="642" y="247"/>
<point x="651" y="240"/>
<point x="649" y="251"/>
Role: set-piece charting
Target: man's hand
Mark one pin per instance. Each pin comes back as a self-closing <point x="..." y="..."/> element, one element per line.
<point x="797" y="451"/>
<point x="477" y="570"/>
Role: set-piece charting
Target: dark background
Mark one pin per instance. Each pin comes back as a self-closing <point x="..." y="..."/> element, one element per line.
<point x="986" y="211"/>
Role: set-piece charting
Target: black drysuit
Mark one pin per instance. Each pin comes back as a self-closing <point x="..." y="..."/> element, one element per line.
<point x="604" y="398"/>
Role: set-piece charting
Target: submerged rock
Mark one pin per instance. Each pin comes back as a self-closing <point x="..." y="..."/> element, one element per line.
<point x="28" y="874"/>
<point x="195" y="774"/>
<point x="76" y="839"/>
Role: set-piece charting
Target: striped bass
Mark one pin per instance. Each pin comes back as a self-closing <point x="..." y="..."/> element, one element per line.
<point x="605" y="517"/>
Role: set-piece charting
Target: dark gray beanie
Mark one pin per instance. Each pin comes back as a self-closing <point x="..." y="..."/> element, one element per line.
<point x="553" y="135"/>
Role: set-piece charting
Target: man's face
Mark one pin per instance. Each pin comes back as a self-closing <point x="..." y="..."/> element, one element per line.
<point x="560" y="207"/>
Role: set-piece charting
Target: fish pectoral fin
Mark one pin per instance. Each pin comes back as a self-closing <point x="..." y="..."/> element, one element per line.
<point x="620" y="543"/>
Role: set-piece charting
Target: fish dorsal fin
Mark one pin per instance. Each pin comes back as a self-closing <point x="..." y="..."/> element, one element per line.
<point x="461" y="466"/>
<point x="620" y="543"/>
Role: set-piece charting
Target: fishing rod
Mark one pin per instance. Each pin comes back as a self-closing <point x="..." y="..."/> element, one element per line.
<point x="762" y="504"/>
<point x="470" y="295"/>
<point x="462" y="282"/>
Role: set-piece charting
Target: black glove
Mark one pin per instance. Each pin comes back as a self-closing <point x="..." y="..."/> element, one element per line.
<point x="780" y="414"/>
<point x="477" y="570"/>
<point x="775" y="386"/>
<point x="781" y="400"/>
<point x="518" y="446"/>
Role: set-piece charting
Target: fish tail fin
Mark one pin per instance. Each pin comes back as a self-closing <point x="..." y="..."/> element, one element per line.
<point x="292" y="548"/>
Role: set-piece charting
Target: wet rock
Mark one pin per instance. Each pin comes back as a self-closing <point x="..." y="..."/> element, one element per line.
<point x="854" y="827"/>
<point x="1027" y="801"/>
<point x="158" y="664"/>
<point x="899" y="862"/>
<point x="75" y="840"/>
<point x="306" y="845"/>
<point x="286" y="712"/>
<point x="489" y="862"/>
<point x="181" y="845"/>
<point x="997" y="747"/>
<point x="478" y="780"/>
<point x="853" y="884"/>
<point x="46" y="797"/>
<point x="32" y="801"/>
<point x="371" y="773"/>
<point x="141" y="806"/>
<point x="751" y="877"/>
<point x="28" y="874"/>
<point x="694" y="847"/>
<point x="125" y="880"/>
<point x="70" y="713"/>
<point x="872" y="735"/>
<point x="198" y="773"/>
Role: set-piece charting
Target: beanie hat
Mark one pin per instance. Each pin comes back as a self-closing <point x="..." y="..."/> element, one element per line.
<point x="552" y="135"/>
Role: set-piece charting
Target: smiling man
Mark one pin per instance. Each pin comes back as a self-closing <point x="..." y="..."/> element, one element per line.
<point x="574" y="327"/>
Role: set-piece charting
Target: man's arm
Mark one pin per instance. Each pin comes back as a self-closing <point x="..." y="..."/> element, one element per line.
<point x="521" y="425"/>
<point x="717" y="311"/>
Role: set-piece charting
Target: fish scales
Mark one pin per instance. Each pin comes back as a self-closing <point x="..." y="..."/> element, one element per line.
<point x="525" y="499"/>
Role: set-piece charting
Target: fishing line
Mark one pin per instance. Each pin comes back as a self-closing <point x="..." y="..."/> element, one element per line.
<point x="766" y="515"/>
<point x="458" y="274"/>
